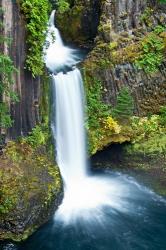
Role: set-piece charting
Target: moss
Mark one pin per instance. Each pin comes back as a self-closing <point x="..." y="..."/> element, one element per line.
<point x="45" y="98"/>
<point x="73" y="31"/>
<point x="154" y="145"/>
<point x="147" y="16"/>
<point x="107" y="55"/>
<point x="31" y="183"/>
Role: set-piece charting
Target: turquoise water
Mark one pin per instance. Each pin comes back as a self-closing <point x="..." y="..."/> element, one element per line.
<point x="139" y="223"/>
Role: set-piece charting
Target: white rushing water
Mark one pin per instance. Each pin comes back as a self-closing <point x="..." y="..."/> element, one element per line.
<point x="68" y="126"/>
<point x="84" y="196"/>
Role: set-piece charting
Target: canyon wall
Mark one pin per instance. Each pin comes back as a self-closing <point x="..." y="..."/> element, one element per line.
<point x="25" y="113"/>
<point x="121" y="27"/>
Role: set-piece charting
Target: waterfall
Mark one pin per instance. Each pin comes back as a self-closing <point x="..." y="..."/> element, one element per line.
<point x="68" y="124"/>
<point x="85" y="196"/>
<point x="82" y="192"/>
<point x="68" y="120"/>
<point x="57" y="56"/>
<point x="99" y="211"/>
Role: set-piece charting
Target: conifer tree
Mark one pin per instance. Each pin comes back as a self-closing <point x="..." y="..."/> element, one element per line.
<point x="125" y="105"/>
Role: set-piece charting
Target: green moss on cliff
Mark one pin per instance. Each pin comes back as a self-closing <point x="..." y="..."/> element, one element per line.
<point x="154" y="145"/>
<point x="36" y="14"/>
<point x="7" y="70"/>
<point x="73" y="16"/>
<point x="148" y="53"/>
<point x="101" y="127"/>
<point x="30" y="186"/>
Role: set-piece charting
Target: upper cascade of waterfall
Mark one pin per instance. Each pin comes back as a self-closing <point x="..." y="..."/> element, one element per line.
<point x="68" y="98"/>
<point x="57" y="56"/>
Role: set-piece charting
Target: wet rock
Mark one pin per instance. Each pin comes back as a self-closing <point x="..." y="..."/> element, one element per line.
<point x="9" y="246"/>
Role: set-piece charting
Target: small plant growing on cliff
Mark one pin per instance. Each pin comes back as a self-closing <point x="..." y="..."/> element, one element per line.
<point x="38" y="136"/>
<point x="144" y="127"/>
<point x="125" y="105"/>
<point x="159" y="29"/>
<point x="147" y="16"/>
<point x="112" y="125"/>
<point x="162" y="116"/>
<point x="152" y="53"/>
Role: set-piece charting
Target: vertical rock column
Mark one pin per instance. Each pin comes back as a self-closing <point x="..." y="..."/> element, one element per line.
<point x="25" y="113"/>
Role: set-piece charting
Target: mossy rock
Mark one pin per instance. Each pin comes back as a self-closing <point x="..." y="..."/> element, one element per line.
<point x="79" y="23"/>
<point x="31" y="190"/>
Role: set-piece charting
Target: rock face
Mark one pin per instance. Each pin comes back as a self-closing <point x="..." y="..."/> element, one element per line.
<point x="122" y="24"/>
<point x="79" y="24"/>
<point x="125" y="23"/>
<point x="149" y="92"/>
<point x="26" y="112"/>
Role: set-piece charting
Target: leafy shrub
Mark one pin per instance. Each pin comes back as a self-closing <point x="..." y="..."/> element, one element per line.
<point x="36" y="14"/>
<point x="144" y="127"/>
<point x="38" y="136"/>
<point x="5" y="118"/>
<point x="162" y="116"/>
<point x="159" y="29"/>
<point x="146" y="16"/>
<point x="112" y="125"/>
<point x="152" y="53"/>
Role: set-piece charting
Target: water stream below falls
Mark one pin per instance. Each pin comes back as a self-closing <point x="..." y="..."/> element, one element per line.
<point x="106" y="211"/>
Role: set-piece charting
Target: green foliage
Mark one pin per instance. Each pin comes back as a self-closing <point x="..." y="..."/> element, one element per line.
<point x="8" y="197"/>
<point x="162" y="116"/>
<point x="7" y="71"/>
<point x="38" y="136"/>
<point x="5" y="118"/>
<point x="144" y="127"/>
<point x="125" y="105"/>
<point x="159" y="29"/>
<point x="146" y="16"/>
<point x="152" y="53"/>
<point x="62" y="6"/>
<point x="162" y="1"/>
<point x="26" y="172"/>
<point x="36" y="14"/>
<point x="96" y="109"/>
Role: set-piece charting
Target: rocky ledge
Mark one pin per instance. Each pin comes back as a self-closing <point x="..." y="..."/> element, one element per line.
<point x="31" y="190"/>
